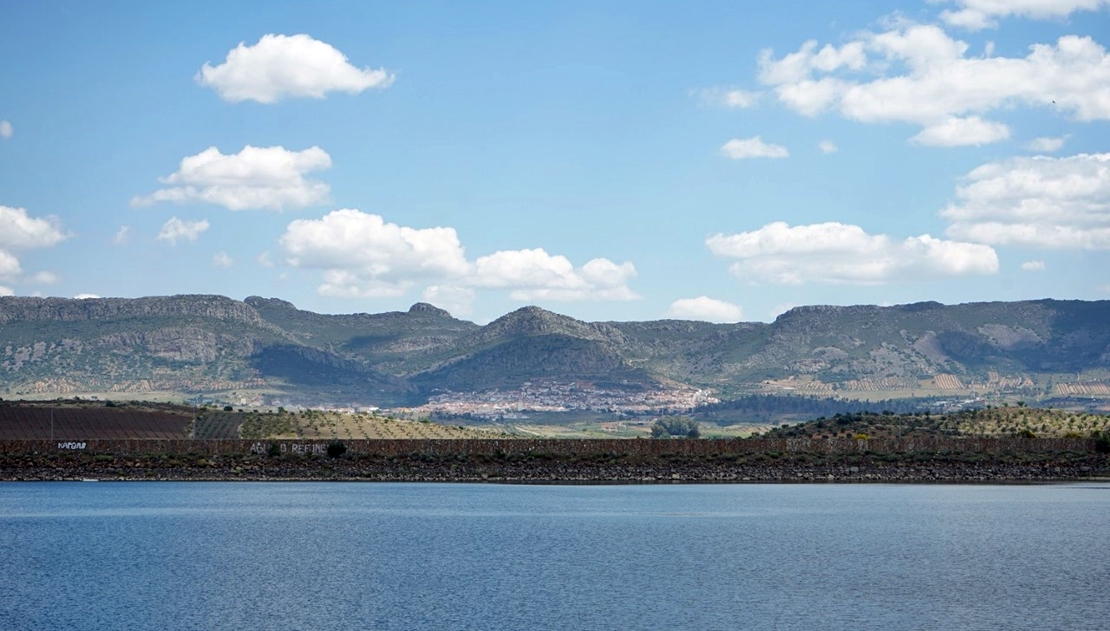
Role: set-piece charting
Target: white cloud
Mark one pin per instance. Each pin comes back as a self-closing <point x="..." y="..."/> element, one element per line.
<point x="6" y="291"/>
<point x="280" y="66"/>
<point x="1033" y="266"/>
<point x="734" y="99"/>
<point x="44" y="278"/>
<point x="705" y="308"/>
<point x="840" y="253"/>
<point x="954" y="131"/>
<point x="827" y="147"/>
<point x="798" y="66"/>
<point x="536" y="275"/>
<point x="6" y="130"/>
<point x="980" y="14"/>
<point x="1037" y="201"/>
<point x="361" y="255"/>
<point x="1047" y="144"/>
<point x="264" y="260"/>
<point x="176" y="230"/>
<point x="222" y="259"/>
<point x="18" y="232"/>
<point x="122" y="236"/>
<point x="918" y="74"/>
<point x="740" y="149"/>
<point x="456" y="300"/>
<point x="86" y="297"/>
<point x="9" y="266"/>
<point x="256" y="177"/>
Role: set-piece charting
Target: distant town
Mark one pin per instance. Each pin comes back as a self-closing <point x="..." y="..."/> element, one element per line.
<point x="562" y="396"/>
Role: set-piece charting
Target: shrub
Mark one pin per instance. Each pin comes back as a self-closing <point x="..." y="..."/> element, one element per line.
<point x="1102" y="443"/>
<point x="336" y="448"/>
<point x="273" y="450"/>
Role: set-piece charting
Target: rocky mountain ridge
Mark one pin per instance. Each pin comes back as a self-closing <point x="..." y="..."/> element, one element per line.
<point x="205" y="343"/>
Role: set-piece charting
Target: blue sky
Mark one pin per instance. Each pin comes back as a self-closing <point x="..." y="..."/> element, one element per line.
<point x="606" y="160"/>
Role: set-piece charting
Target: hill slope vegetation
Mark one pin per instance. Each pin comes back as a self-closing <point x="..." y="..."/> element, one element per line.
<point x="199" y="343"/>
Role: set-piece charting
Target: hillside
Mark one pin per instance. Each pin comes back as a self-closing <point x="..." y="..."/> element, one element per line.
<point x="990" y="422"/>
<point x="267" y="350"/>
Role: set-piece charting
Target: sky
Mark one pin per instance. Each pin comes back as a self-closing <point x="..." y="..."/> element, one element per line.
<point x="608" y="160"/>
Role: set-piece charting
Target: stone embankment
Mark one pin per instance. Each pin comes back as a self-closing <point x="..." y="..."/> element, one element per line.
<point x="544" y="467"/>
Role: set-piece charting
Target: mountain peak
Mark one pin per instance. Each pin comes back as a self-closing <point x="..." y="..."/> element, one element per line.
<point x="532" y="320"/>
<point x="423" y="307"/>
<point x="273" y="303"/>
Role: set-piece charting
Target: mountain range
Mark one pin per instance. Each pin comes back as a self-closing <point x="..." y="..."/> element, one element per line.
<point x="204" y="343"/>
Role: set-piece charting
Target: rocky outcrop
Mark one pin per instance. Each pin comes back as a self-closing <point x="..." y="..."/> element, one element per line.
<point x="28" y="309"/>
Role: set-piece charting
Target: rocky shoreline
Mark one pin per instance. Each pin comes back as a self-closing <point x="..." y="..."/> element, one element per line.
<point x="916" y="468"/>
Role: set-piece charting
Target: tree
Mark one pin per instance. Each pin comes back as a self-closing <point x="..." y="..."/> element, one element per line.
<point x="667" y="426"/>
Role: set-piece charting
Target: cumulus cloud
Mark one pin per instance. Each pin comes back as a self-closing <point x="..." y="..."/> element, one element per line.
<point x="754" y="147"/>
<point x="456" y="300"/>
<point x="86" y="297"/>
<point x="222" y="259"/>
<point x="1038" y="201"/>
<point x="827" y="147"/>
<point x="20" y="232"/>
<point x="980" y="14"/>
<point x="9" y="266"/>
<point x="705" y="308"/>
<point x="840" y="253"/>
<point x="954" y="131"/>
<point x="536" y="275"/>
<point x="6" y="291"/>
<point x="362" y="255"/>
<point x="176" y="230"/>
<point x="918" y="74"/>
<point x="280" y="66"/>
<point x="1033" y="266"/>
<point x="1047" y="144"/>
<point x="6" y="130"/>
<point x="256" y="177"/>
<point x="734" y="99"/>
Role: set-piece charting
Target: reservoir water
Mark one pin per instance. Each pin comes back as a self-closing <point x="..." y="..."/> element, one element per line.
<point x="159" y="555"/>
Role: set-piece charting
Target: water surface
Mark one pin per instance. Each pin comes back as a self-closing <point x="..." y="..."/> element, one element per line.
<point x="223" y="555"/>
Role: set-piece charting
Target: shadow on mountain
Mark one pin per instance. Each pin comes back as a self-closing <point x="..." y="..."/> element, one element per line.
<point x="309" y="368"/>
<point x="535" y="357"/>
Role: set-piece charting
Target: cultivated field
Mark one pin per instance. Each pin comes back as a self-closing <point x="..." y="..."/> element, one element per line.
<point x="349" y="426"/>
<point x="69" y="421"/>
<point x="79" y="420"/>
